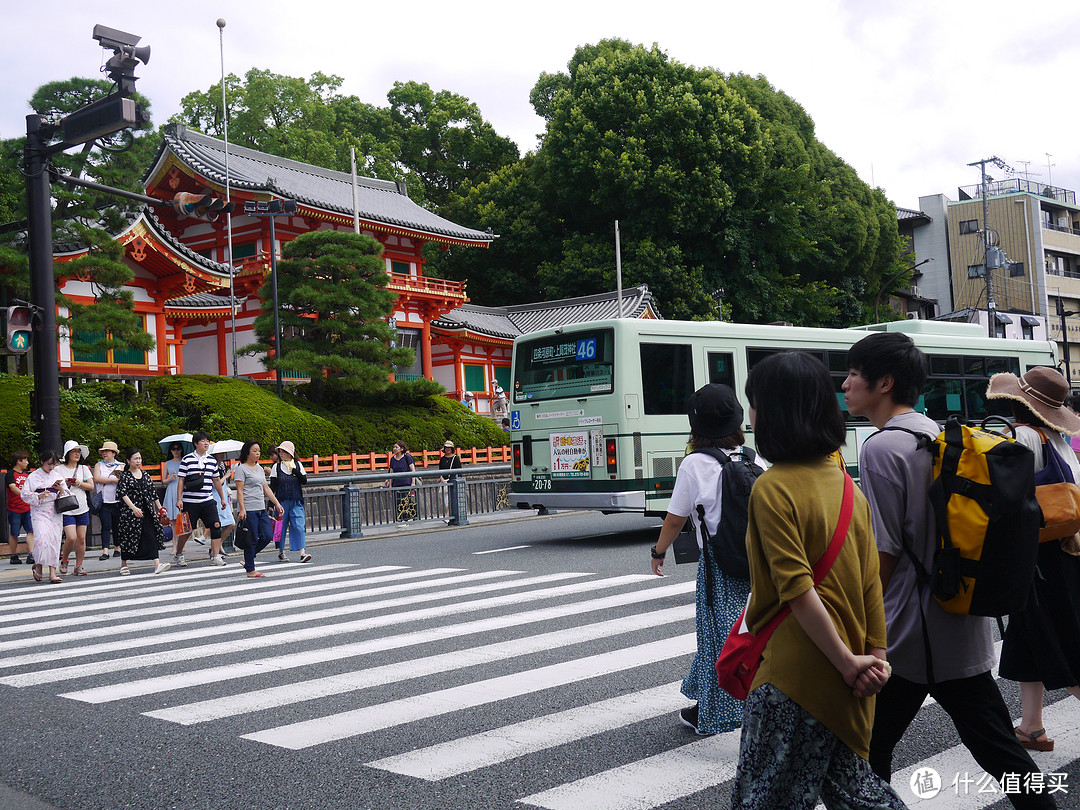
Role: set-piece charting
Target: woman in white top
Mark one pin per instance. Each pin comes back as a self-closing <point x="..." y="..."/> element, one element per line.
<point x="715" y="421"/>
<point x="41" y="489"/>
<point x="79" y="481"/>
<point x="107" y="473"/>
<point x="1041" y="646"/>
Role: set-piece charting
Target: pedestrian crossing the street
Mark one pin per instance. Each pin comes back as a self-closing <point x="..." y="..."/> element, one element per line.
<point x="554" y="690"/>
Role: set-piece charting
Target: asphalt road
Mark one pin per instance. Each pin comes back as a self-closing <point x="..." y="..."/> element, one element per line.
<point x="507" y="664"/>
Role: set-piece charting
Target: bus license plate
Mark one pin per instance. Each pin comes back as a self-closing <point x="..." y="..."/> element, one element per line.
<point x="541" y="483"/>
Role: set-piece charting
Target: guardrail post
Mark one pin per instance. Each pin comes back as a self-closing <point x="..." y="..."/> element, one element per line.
<point x="351" y="518"/>
<point x="458" y="501"/>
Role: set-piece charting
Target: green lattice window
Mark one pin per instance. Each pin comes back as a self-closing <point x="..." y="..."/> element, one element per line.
<point x="122" y="357"/>
<point x="474" y="378"/>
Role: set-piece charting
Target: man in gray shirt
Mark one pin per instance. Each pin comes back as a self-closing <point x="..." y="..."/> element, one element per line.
<point x="887" y="373"/>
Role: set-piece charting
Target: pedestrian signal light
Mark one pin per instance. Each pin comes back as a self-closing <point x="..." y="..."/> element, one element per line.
<point x="206" y="207"/>
<point x="19" y="335"/>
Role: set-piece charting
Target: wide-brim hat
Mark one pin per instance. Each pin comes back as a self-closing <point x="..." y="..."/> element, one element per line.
<point x="109" y="446"/>
<point x="447" y="444"/>
<point x="73" y="445"/>
<point x="1043" y="390"/>
<point x="714" y="411"/>
<point x="288" y="447"/>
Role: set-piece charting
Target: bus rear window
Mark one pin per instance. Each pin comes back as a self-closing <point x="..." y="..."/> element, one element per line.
<point x="579" y="364"/>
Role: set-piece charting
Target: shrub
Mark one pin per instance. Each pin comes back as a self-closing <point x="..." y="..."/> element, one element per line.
<point x="16" y="427"/>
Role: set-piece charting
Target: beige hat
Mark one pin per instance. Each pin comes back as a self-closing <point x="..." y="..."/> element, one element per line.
<point x="72" y="445"/>
<point x="449" y="444"/>
<point x="109" y="446"/>
<point x="287" y="447"/>
<point x="1043" y="390"/>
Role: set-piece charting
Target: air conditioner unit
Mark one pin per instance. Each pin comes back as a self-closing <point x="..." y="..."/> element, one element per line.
<point x="916" y="291"/>
<point x="913" y="316"/>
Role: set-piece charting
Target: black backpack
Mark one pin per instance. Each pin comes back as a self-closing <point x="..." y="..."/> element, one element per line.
<point x="728" y="546"/>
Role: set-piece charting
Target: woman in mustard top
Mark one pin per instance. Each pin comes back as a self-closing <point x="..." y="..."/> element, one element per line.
<point x="807" y="720"/>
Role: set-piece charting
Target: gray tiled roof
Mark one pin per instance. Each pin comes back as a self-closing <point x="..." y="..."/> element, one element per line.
<point x="520" y="319"/>
<point x="383" y="201"/>
<point x="903" y="214"/>
<point x="202" y="301"/>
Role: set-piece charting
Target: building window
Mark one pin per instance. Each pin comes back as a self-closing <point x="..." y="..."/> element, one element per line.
<point x="1028" y="330"/>
<point x="474" y="378"/>
<point x="401" y="268"/>
<point x="244" y="251"/>
<point x="969" y="226"/>
<point x="976" y="271"/>
<point x="1016" y="269"/>
<point x="112" y="357"/>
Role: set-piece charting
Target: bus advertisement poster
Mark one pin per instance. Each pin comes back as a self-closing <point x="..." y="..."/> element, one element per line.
<point x="570" y="455"/>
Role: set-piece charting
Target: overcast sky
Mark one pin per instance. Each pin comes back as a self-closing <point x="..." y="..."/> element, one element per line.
<point x="908" y="93"/>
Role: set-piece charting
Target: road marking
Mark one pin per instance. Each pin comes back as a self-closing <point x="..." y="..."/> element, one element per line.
<point x="242" y="590"/>
<point x="488" y="748"/>
<point x="284" y="610"/>
<point x="308" y="733"/>
<point x="89" y="587"/>
<point x="344" y="682"/>
<point x="77" y="671"/>
<point x="649" y="782"/>
<point x="497" y="550"/>
<point x="314" y="629"/>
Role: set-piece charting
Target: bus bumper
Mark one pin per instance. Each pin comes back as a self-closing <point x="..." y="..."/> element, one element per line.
<point x="606" y="501"/>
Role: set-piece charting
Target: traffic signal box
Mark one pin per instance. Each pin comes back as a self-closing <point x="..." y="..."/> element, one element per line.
<point x="206" y="207"/>
<point x="19" y="333"/>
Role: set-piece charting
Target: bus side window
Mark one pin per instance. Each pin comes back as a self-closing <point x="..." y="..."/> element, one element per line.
<point x="667" y="377"/>
<point x="722" y="368"/>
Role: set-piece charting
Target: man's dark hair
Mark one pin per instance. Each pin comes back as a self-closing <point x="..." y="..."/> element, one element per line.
<point x="797" y="417"/>
<point x="895" y="354"/>
<point x="198" y="437"/>
<point x="1072" y="402"/>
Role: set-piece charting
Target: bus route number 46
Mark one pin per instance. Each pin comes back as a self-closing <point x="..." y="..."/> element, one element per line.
<point x="586" y="349"/>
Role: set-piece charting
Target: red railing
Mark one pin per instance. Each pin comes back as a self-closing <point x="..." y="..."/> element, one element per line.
<point x="379" y="462"/>
<point x="439" y="286"/>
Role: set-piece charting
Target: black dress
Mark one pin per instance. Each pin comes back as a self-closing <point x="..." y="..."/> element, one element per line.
<point x="1042" y="642"/>
<point x="140" y="538"/>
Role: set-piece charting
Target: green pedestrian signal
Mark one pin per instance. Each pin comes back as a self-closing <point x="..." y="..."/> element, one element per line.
<point x="19" y="335"/>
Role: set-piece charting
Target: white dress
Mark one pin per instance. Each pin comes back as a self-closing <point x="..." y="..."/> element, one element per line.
<point x="48" y="524"/>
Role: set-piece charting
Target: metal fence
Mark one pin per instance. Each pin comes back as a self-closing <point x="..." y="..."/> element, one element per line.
<point x="347" y="504"/>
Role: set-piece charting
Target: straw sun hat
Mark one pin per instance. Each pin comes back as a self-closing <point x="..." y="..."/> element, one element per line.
<point x="1043" y="390"/>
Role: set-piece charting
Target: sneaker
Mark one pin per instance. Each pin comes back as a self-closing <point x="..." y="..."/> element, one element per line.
<point x="689" y="717"/>
<point x="282" y="557"/>
<point x="179" y="561"/>
<point x="16" y="559"/>
<point x="80" y="571"/>
<point x="161" y="567"/>
<point x="305" y="557"/>
<point x="63" y="566"/>
<point x="30" y="559"/>
<point x="201" y="540"/>
<point x="217" y="559"/>
<point x="104" y="556"/>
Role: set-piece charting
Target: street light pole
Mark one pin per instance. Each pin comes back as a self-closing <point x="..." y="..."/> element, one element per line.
<point x="1062" y="313"/>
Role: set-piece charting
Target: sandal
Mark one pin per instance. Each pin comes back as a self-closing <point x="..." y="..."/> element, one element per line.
<point x="54" y="579"/>
<point x="37" y="573"/>
<point x="64" y="565"/>
<point x="80" y="571"/>
<point x="124" y="571"/>
<point x="1032" y="742"/>
<point x="256" y="575"/>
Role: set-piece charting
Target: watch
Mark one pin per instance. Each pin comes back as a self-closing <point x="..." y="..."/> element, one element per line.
<point x="655" y="555"/>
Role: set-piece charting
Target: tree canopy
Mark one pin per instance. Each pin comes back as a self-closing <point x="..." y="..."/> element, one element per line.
<point x="82" y="218"/>
<point x="438" y="142"/>
<point x="718" y="184"/>
<point x="333" y="311"/>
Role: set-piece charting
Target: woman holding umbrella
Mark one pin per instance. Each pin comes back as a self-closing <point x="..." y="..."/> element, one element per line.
<point x="175" y="450"/>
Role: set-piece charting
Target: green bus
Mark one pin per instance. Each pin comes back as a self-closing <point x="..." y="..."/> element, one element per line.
<point x="598" y="410"/>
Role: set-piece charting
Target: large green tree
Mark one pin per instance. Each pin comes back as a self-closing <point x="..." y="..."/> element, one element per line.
<point x="333" y="311"/>
<point x="718" y="183"/>
<point x="438" y="142"/>
<point x="82" y="218"/>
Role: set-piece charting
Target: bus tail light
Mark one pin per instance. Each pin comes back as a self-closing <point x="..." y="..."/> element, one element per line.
<point x="612" y="458"/>
<point x="516" y="453"/>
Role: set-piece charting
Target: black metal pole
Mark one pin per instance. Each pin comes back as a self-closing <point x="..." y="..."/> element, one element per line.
<point x="1065" y="341"/>
<point x="42" y="285"/>
<point x="279" y="350"/>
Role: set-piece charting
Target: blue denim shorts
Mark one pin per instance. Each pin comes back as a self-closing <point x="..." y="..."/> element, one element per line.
<point x="77" y="520"/>
<point x="19" y="522"/>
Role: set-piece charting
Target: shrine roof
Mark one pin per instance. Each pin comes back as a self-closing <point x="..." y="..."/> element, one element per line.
<point x="519" y="319"/>
<point x="203" y="301"/>
<point x="381" y="201"/>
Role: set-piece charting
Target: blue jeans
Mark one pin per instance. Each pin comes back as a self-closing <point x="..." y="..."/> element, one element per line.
<point x="262" y="533"/>
<point x="292" y="524"/>
<point x="109" y="517"/>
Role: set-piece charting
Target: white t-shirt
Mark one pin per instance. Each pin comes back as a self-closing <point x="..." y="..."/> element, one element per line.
<point x="80" y="473"/>
<point x="698" y="482"/>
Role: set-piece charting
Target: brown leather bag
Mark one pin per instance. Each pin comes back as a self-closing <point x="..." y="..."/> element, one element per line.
<point x="1059" y="497"/>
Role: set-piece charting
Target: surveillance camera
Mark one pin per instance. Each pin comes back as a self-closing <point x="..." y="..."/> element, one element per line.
<point x="112" y="38"/>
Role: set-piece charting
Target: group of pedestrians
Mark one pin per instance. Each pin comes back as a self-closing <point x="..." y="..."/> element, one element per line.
<point x="827" y="705"/>
<point x="133" y="517"/>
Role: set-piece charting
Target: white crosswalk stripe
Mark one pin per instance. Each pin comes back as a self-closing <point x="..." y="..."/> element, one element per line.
<point x="490" y="668"/>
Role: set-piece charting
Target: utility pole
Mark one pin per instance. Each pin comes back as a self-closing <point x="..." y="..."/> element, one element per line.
<point x="991" y="304"/>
